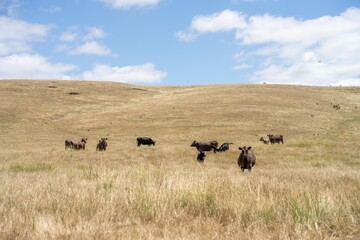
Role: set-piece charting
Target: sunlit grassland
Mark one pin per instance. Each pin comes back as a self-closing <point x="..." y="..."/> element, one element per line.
<point x="307" y="188"/>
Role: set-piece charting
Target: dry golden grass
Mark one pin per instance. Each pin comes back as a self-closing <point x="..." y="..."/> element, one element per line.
<point x="308" y="188"/>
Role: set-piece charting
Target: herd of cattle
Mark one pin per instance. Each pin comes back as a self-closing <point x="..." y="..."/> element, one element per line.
<point x="80" y="145"/>
<point x="246" y="160"/>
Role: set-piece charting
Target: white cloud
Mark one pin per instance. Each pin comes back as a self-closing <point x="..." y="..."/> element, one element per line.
<point x="84" y="45"/>
<point x="222" y="21"/>
<point x="32" y="66"/>
<point x="126" y="4"/>
<point x="315" y="73"/>
<point x="288" y="30"/>
<point x="92" y="47"/>
<point x="320" y="51"/>
<point x="91" y="33"/>
<point x="16" y="35"/>
<point x="145" y="73"/>
<point x="70" y="35"/>
<point x="94" y="33"/>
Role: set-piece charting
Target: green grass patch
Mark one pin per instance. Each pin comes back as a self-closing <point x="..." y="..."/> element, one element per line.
<point x="36" y="167"/>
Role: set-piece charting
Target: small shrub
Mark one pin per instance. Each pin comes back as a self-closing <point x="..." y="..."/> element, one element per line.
<point x="336" y="106"/>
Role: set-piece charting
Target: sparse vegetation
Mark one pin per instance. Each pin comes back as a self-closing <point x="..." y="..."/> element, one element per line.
<point x="306" y="188"/>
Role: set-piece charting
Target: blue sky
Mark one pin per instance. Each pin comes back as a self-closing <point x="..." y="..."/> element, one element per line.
<point x="180" y="42"/>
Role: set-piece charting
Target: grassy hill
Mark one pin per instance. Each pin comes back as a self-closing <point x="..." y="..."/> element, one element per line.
<point x="306" y="188"/>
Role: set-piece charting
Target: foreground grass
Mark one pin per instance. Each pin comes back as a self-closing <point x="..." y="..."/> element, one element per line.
<point x="109" y="200"/>
<point x="307" y="188"/>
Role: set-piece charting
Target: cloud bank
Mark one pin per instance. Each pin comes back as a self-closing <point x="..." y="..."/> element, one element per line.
<point x="145" y="73"/>
<point x="320" y="51"/>
<point x="18" y="60"/>
<point x="18" y="36"/>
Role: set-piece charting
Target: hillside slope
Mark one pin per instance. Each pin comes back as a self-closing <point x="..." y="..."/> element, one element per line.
<point x="43" y="110"/>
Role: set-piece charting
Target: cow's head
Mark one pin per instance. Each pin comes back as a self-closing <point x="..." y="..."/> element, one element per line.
<point x="84" y="140"/>
<point x="244" y="150"/>
<point x="193" y="144"/>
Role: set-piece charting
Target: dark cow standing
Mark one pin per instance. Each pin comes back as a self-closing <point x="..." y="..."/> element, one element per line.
<point x="224" y="147"/>
<point x="69" y="144"/>
<point x="246" y="159"/>
<point x="102" y="145"/>
<point x="145" y="141"/>
<point x="205" y="146"/>
<point x="201" y="157"/>
<point x="276" y="138"/>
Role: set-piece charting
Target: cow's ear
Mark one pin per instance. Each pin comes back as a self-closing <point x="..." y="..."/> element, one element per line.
<point x="106" y="138"/>
<point x="240" y="148"/>
<point x="248" y="148"/>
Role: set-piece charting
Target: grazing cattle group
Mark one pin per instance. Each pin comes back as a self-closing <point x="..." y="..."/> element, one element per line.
<point x="246" y="160"/>
<point x="77" y="145"/>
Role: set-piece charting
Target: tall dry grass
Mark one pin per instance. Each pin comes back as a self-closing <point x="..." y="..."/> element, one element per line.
<point x="307" y="188"/>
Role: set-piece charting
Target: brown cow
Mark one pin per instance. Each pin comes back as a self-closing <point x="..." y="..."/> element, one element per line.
<point x="264" y="141"/>
<point x="246" y="159"/>
<point x="80" y="144"/>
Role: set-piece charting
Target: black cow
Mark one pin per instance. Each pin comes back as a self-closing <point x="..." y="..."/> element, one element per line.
<point x="145" y="141"/>
<point x="205" y="146"/>
<point x="201" y="157"/>
<point x="224" y="147"/>
<point x="102" y="145"/>
<point x="276" y="138"/>
<point x="69" y="144"/>
<point x="246" y="159"/>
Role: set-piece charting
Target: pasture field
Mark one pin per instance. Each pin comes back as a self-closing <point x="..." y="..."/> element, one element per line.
<point x="306" y="188"/>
